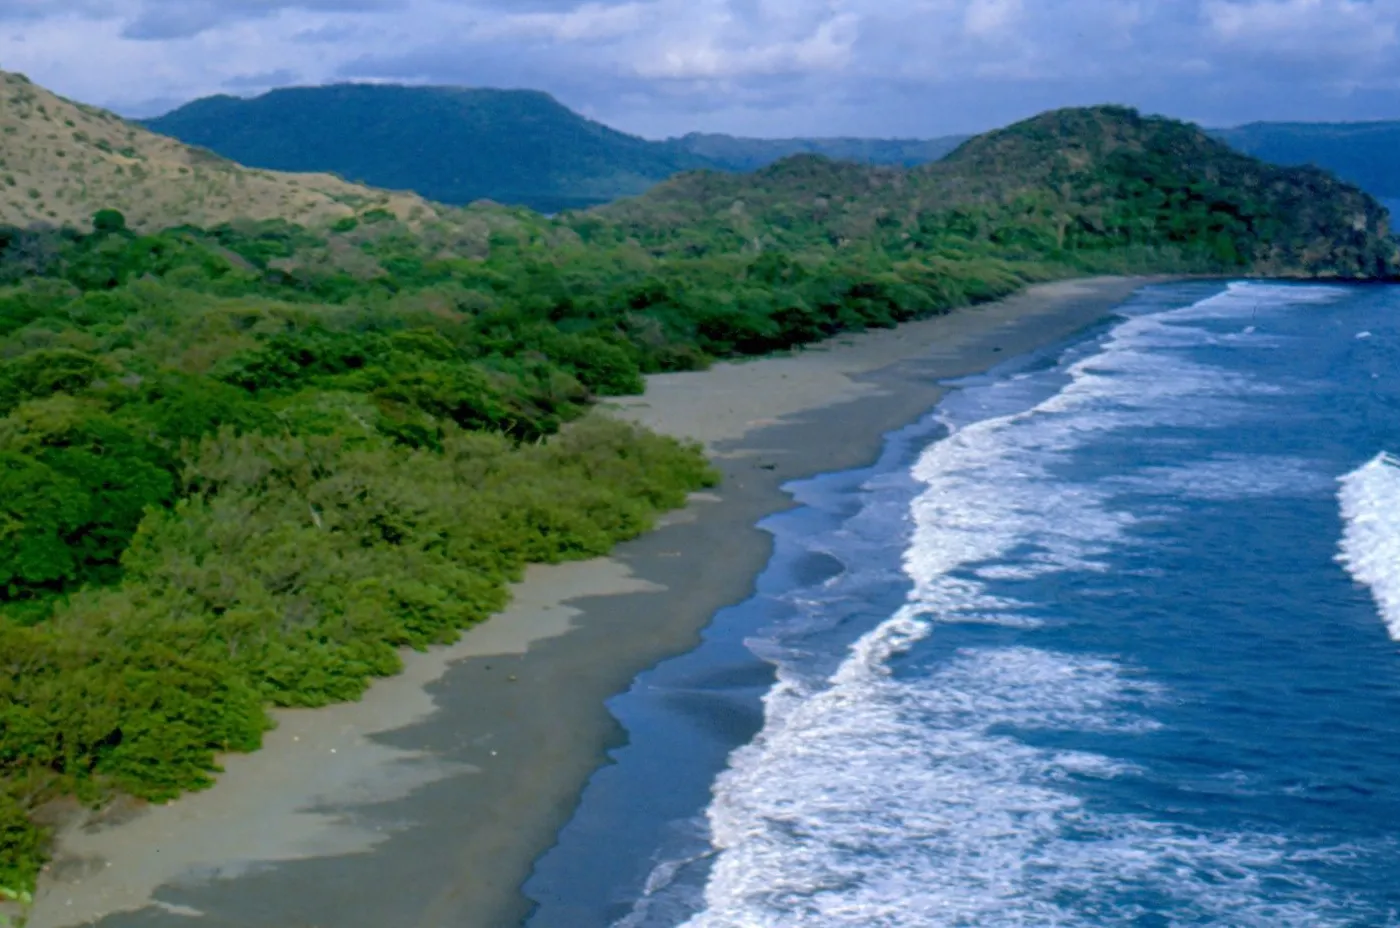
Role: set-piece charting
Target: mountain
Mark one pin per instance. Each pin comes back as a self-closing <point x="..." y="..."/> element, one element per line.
<point x="61" y="161"/>
<point x="1074" y="184"/>
<point x="456" y="145"/>
<point x="453" y="145"/>
<point x="1365" y="153"/>
<point x="731" y="153"/>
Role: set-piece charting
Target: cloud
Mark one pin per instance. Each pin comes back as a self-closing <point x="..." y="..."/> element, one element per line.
<point x="891" y="67"/>
<point x="181" y="19"/>
<point x="19" y="10"/>
<point x="1348" y="33"/>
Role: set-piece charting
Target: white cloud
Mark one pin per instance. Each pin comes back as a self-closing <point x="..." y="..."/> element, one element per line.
<point x="717" y="47"/>
<point x="1338" y="30"/>
<point x="591" y="22"/>
<point x="990" y="17"/>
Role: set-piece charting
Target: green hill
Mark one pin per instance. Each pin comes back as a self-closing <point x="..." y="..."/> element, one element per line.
<point x="1365" y="153"/>
<point x="452" y="145"/>
<point x="732" y="153"/>
<point x="1101" y="188"/>
<point x="243" y="464"/>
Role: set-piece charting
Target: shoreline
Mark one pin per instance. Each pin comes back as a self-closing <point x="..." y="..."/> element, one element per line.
<point x="426" y="803"/>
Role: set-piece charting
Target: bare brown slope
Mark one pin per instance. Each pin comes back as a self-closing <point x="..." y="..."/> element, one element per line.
<point x="62" y="161"/>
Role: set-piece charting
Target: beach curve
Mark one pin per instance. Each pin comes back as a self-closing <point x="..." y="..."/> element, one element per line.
<point x="426" y="803"/>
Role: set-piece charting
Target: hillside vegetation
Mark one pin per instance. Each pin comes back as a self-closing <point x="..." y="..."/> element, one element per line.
<point x="58" y="158"/>
<point x="1102" y="188"/>
<point x="452" y="145"/>
<point x="243" y="463"/>
<point x="1365" y="153"/>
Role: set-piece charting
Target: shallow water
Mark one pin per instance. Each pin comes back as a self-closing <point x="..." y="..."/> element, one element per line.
<point x="1105" y="640"/>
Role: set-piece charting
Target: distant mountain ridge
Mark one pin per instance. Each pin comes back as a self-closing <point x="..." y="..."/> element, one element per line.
<point x="452" y="145"/>
<point x="456" y="145"/>
<point x="733" y="153"/>
<point x="1365" y="153"/>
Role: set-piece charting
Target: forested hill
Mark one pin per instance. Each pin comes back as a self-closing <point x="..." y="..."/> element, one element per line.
<point x="1365" y="153"/>
<point x="1103" y="186"/>
<point x="453" y="145"/>
<point x="243" y="463"/>
<point x="60" y="161"/>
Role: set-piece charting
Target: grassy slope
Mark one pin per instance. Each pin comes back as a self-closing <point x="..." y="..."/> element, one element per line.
<point x="59" y="158"/>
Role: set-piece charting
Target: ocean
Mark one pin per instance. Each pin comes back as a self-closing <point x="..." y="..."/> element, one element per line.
<point x="1111" y="637"/>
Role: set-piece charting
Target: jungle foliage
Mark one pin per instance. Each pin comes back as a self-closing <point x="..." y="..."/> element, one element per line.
<point x="242" y="466"/>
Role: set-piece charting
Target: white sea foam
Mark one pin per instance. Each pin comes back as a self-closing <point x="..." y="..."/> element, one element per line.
<point x="876" y="798"/>
<point x="1370" y="501"/>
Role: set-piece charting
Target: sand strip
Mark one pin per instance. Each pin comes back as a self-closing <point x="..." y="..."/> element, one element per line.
<point x="425" y="804"/>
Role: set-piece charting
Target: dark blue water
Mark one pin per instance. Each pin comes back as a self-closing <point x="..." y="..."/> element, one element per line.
<point x="1104" y="641"/>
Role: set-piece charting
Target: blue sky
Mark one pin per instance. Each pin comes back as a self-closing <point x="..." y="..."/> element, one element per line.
<point x="756" y="67"/>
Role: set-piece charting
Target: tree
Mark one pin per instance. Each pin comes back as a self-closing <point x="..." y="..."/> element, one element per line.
<point x="108" y="221"/>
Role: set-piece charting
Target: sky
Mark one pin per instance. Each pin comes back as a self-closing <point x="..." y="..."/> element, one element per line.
<point x="890" y="68"/>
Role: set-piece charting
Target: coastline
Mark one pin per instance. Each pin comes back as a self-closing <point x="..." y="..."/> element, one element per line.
<point x="426" y="803"/>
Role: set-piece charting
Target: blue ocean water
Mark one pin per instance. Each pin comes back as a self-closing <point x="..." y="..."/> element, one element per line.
<point x="1109" y="639"/>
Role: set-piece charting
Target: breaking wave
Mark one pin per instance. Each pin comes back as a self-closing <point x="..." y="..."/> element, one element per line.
<point x="1370" y="501"/>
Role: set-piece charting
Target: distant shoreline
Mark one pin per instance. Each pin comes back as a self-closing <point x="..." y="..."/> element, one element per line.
<point x="425" y="804"/>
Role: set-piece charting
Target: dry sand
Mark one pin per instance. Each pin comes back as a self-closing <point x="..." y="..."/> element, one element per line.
<point x="425" y="804"/>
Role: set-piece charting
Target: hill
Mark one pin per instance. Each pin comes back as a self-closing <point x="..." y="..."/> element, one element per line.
<point x="1365" y="153"/>
<point x="733" y="153"/>
<point x="452" y="145"/>
<point x="1100" y="187"/>
<point x="62" y="161"/>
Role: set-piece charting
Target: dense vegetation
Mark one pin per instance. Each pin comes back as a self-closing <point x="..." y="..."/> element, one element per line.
<point x="1084" y="189"/>
<point x="228" y="481"/>
<point x="451" y="145"/>
<point x="241" y="465"/>
<point x="1365" y="153"/>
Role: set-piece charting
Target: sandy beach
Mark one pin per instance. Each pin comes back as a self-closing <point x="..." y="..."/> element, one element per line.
<point x="425" y="804"/>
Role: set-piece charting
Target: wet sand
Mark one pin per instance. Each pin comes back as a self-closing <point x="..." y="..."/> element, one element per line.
<point x="425" y="804"/>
